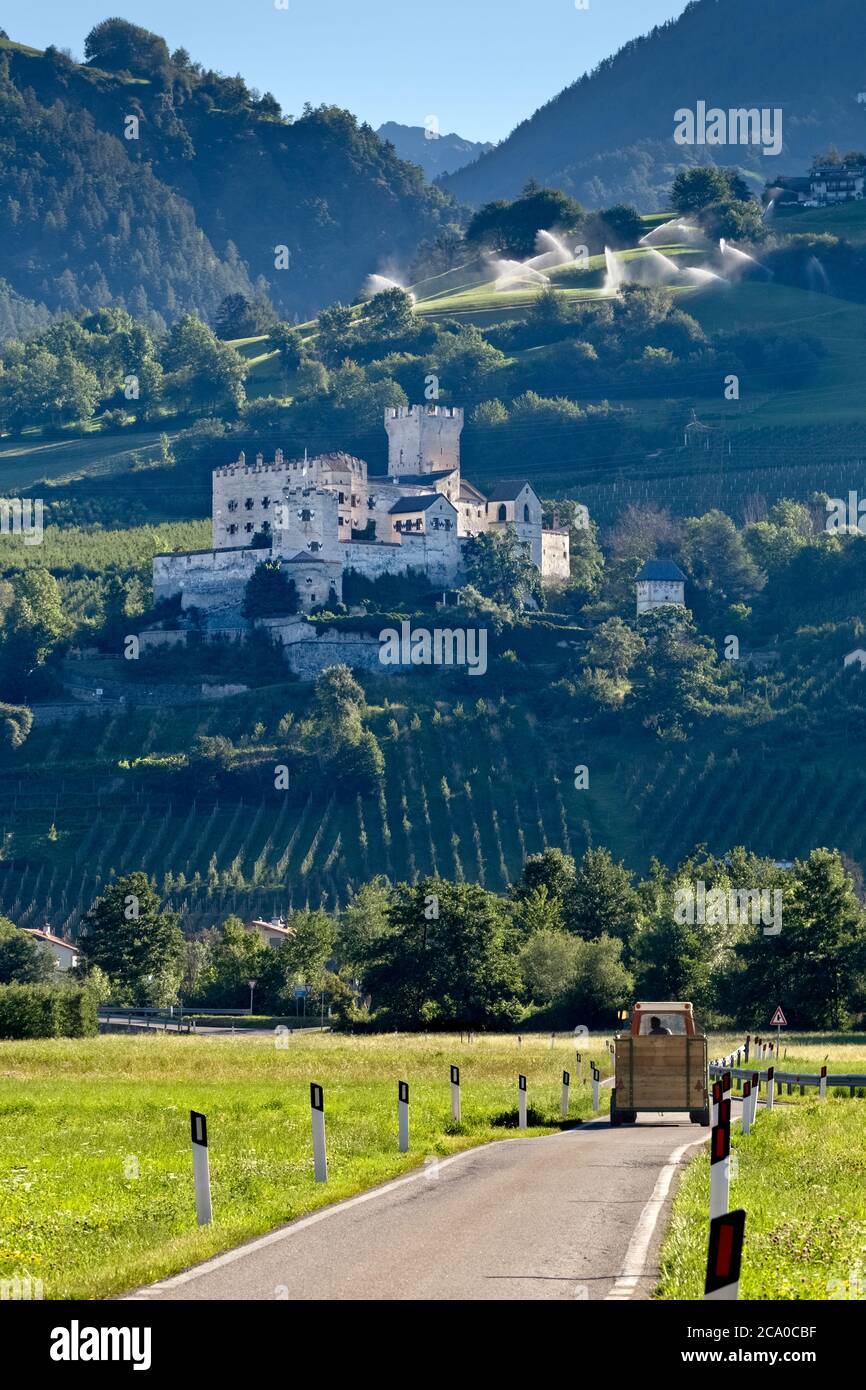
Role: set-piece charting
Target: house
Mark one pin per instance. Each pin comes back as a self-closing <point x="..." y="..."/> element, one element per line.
<point x="825" y="184"/>
<point x="273" y="933"/>
<point x="66" y="954"/>
<point x="659" y="582"/>
<point x="858" y="654"/>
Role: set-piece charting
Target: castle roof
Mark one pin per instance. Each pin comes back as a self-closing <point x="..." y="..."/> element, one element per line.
<point x="468" y="493"/>
<point x="305" y="557"/>
<point x="508" y="489"/>
<point x="663" y="570"/>
<point x="417" y="504"/>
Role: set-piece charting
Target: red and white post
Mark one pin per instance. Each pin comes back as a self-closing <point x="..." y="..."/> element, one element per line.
<point x="725" y="1256"/>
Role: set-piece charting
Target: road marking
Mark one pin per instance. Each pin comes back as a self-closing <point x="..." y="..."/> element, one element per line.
<point x="262" y="1242"/>
<point x="635" y="1256"/>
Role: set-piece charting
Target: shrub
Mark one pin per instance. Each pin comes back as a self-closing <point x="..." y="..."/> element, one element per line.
<point x="47" y="1011"/>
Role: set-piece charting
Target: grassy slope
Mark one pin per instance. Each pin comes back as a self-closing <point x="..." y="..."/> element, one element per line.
<point x="799" y="1176"/>
<point x="76" y="1116"/>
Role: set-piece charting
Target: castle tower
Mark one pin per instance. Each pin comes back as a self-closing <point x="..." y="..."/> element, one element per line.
<point x="423" y="438"/>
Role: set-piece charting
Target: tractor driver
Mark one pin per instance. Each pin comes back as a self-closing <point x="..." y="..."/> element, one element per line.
<point x="656" y="1029"/>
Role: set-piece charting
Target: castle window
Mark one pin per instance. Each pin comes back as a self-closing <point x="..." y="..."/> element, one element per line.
<point x="341" y="497"/>
<point x="447" y="523"/>
<point x="305" y="514"/>
<point x="503" y="513"/>
<point x="526" y="512"/>
<point x="249" y="526"/>
<point x="249" y="503"/>
<point x="266" y="502"/>
<point x="233" y="505"/>
<point x="371" y="503"/>
<point x="315" y="545"/>
<point x="232" y="530"/>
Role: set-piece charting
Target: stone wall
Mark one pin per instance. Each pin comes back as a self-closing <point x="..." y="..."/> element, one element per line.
<point x="555" y="555"/>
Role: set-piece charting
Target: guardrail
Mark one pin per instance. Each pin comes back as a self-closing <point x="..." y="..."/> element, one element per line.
<point x="853" y="1080"/>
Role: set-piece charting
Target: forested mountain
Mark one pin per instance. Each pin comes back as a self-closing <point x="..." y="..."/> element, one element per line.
<point x="140" y="179"/>
<point x="609" y="136"/>
<point x="437" y="154"/>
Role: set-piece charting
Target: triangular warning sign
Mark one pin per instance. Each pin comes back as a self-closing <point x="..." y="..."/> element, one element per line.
<point x="778" y="1020"/>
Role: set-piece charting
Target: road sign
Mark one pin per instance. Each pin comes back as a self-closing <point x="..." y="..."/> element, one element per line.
<point x="778" y="1020"/>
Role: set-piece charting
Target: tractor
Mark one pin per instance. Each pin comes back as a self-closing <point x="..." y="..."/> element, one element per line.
<point x="660" y="1064"/>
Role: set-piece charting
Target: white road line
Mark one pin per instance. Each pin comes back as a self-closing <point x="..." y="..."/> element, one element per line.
<point x="261" y="1242"/>
<point x="635" y="1256"/>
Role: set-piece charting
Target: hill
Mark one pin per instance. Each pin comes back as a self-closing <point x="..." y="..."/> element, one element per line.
<point x="434" y="152"/>
<point x="609" y="136"/>
<point x="145" y="181"/>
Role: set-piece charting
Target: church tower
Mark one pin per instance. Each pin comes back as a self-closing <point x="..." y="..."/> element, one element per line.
<point x="423" y="438"/>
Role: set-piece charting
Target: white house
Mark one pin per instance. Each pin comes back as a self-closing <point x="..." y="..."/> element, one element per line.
<point x="65" y="953"/>
<point x="659" y="582"/>
<point x="273" y="933"/>
<point x="858" y="654"/>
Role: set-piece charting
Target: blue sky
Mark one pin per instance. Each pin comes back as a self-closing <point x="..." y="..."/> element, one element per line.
<point x="479" y="66"/>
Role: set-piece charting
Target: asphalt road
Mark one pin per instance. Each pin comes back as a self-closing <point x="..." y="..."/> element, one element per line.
<point x="577" y="1215"/>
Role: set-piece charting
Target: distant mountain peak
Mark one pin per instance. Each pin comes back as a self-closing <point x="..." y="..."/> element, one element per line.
<point x="436" y="153"/>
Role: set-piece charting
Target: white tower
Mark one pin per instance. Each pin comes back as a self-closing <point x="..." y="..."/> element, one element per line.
<point x="423" y="438"/>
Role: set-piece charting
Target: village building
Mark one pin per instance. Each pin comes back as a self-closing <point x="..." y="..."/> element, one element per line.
<point x="66" y="953"/>
<point x="273" y="933"/>
<point x="858" y="656"/>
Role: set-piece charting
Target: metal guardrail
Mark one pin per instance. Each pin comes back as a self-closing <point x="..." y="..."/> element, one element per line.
<point x="853" y="1080"/>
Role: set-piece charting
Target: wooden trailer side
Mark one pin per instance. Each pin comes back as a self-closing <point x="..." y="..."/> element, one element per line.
<point x="660" y="1072"/>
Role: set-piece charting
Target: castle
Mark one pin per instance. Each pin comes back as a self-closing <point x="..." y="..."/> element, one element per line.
<point x="319" y="517"/>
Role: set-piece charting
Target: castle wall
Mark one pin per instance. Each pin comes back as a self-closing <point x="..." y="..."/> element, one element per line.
<point x="651" y="593"/>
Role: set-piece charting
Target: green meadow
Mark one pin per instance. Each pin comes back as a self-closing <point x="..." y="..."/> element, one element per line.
<point x="95" y="1152"/>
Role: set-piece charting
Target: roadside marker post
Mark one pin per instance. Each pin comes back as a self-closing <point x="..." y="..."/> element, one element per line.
<point x="521" y="1100"/>
<point x="201" y="1168"/>
<point x="720" y="1161"/>
<point x="725" y="1255"/>
<point x="746" y="1047"/>
<point x="726" y="1085"/>
<point x="771" y="1087"/>
<point x="455" y="1094"/>
<point x="717" y="1096"/>
<point x="822" y="1085"/>
<point x="566" y="1080"/>
<point x="595" y="1077"/>
<point x="403" y="1115"/>
<point x="579" y="1066"/>
<point x="317" y="1108"/>
<point x="747" y="1107"/>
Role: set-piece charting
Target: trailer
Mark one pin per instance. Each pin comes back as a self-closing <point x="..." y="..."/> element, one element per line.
<point x="660" y="1064"/>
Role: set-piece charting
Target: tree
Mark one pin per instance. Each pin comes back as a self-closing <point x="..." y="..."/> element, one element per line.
<point x="498" y="564"/>
<point x="390" y="314"/>
<point x="235" y="956"/>
<point x="513" y="227"/>
<point x="538" y="911"/>
<point x="241" y="317"/>
<point x="694" y="189"/>
<point x="23" y="961"/>
<point x="269" y="592"/>
<point x="34" y="625"/>
<point x="614" y="647"/>
<point x="458" y="967"/>
<point x="672" y="963"/>
<point x="719" y="559"/>
<point x="119" y="46"/>
<point x="289" y="344"/>
<point x="551" y="869"/>
<point x="138" y="945"/>
<point x="734" y="219"/>
<point x="364" y="922"/>
<point x="205" y="374"/>
<point x="548" y="963"/>
<point x="603" y="899"/>
<point x="16" y="721"/>
<point x="601" y="984"/>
